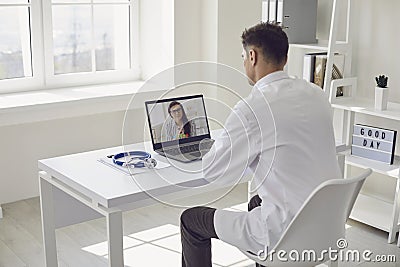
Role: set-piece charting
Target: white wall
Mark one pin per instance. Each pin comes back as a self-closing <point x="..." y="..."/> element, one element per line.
<point x="156" y="36"/>
<point x="233" y="17"/>
<point x="176" y="31"/>
<point x="187" y="31"/>
<point x="23" y="145"/>
<point x="375" y="37"/>
<point x="377" y="40"/>
<point x="172" y="32"/>
<point x="209" y="30"/>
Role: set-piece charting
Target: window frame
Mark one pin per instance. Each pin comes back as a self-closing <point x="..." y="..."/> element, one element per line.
<point x="36" y="80"/>
<point x="43" y="59"/>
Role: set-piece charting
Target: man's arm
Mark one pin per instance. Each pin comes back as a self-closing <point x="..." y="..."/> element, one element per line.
<point x="234" y="150"/>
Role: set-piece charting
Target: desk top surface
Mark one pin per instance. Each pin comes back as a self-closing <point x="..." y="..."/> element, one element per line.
<point x="83" y="173"/>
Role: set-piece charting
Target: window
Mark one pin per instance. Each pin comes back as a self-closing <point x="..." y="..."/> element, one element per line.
<point x="81" y="42"/>
<point x="15" y="42"/>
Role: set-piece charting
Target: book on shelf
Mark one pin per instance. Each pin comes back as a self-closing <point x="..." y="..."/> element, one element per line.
<point x="309" y="66"/>
<point x="314" y="66"/>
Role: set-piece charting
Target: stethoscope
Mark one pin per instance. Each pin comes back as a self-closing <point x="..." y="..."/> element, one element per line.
<point x="137" y="159"/>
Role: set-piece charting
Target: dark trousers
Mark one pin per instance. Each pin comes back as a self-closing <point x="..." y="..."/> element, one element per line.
<point x="197" y="229"/>
<point x="254" y="202"/>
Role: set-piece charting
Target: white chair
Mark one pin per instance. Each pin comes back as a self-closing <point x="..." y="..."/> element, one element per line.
<point x="319" y="224"/>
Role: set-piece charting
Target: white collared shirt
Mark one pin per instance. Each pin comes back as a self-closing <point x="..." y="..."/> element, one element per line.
<point x="283" y="133"/>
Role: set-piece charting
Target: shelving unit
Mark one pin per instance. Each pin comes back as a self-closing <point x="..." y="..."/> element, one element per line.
<point x="332" y="46"/>
<point x="323" y="46"/>
<point x="366" y="205"/>
<point x="370" y="209"/>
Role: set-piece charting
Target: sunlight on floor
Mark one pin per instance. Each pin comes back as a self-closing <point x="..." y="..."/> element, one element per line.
<point x="151" y="255"/>
<point x="161" y="246"/>
<point x="101" y="249"/>
<point x="156" y="233"/>
<point x="165" y="242"/>
<point x="172" y="242"/>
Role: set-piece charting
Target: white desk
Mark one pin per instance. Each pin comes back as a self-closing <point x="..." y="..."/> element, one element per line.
<point x="77" y="188"/>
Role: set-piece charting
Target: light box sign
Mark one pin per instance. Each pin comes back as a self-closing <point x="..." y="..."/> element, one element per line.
<point x="373" y="143"/>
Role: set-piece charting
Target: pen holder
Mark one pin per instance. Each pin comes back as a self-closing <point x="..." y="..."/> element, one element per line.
<point x="381" y="98"/>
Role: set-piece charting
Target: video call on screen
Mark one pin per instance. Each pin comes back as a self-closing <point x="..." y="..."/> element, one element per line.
<point x="173" y="120"/>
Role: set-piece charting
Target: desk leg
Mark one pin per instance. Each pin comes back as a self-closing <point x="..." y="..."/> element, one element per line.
<point x="115" y="234"/>
<point x="48" y="226"/>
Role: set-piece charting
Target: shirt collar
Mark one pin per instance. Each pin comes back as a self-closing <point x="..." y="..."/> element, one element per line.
<point x="272" y="77"/>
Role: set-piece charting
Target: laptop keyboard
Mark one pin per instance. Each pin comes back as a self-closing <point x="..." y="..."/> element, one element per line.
<point x="184" y="150"/>
<point x="190" y="148"/>
<point x="195" y="154"/>
<point x="188" y="152"/>
<point x="173" y="151"/>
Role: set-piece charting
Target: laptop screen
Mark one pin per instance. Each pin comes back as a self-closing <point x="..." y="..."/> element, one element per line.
<point x="177" y="120"/>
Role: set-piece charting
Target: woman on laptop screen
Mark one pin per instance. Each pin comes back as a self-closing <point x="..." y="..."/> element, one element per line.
<point x="177" y="125"/>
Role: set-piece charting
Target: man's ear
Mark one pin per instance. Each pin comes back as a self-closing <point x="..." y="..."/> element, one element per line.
<point x="253" y="57"/>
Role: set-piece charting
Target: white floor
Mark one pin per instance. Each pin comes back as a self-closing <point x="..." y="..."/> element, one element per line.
<point x="151" y="238"/>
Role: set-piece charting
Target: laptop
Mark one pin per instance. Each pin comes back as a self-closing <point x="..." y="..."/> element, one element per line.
<point x="179" y="127"/>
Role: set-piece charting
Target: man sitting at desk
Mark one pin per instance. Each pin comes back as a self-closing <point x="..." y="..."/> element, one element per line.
<point x="283" y="132"/>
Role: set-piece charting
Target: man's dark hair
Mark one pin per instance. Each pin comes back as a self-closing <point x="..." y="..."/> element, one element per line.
<point x="270" y="38"/>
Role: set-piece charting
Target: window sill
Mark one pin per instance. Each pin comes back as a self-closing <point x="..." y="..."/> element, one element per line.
<point x="42" y="105"/>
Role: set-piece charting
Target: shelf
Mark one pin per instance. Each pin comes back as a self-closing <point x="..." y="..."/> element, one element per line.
<point x="373" y="211"/>
<point x="322" y="46"/>
<point x="340" y="147"/>
<point x="366" y="106"/>
<point x="376" y="166"/>
<point x="370" y="209"/>
<point x="315" y="46"/>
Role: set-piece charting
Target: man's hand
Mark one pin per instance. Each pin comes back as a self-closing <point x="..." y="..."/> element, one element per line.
<point x="205" y="146"/>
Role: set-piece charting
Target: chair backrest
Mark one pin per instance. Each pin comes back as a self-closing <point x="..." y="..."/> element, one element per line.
<point x="318" y="225"/>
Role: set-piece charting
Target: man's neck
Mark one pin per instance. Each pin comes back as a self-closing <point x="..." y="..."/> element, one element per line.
<point x="265" y="71"/>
